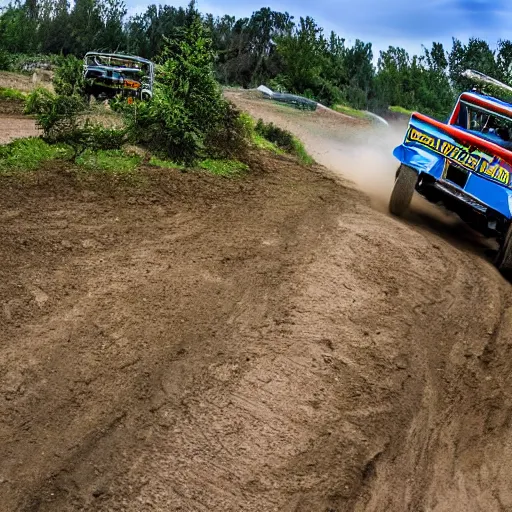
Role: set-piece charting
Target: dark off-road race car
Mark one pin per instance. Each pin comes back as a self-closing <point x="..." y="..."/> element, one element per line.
<point x="108" y="75"/>
<point x="464" y="164"/>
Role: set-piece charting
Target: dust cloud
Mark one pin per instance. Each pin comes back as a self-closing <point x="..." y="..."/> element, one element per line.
<point x="365" y="158"/>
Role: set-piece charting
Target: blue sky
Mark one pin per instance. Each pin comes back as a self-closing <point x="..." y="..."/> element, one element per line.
<point x="406" y="23"/>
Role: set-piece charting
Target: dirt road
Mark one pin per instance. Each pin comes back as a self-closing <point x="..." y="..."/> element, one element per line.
<point x="276" y="343"/>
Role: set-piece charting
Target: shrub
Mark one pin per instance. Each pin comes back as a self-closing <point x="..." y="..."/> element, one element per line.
<point x="6" y="61"/>
<point x="93" y="137"/>
<point x="187" y="118"/>
<point x="38" y="101"/>
<point x="283" y="139"/>
<point x="230" y="136"/>
<point x="68" y="79"/>
<point x="328" y="93"/>
<point x="60" y="119"/>
<point x="57" y="116"/>
<point x="29" y="63"/>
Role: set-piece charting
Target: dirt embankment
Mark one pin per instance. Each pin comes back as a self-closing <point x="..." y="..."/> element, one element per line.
<point x="267" y="344"/>
<point x="13" y="124"/>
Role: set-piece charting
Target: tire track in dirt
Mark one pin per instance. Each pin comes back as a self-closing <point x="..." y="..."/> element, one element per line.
<point x="457" y="387"/>
<point x="271" y="344"/>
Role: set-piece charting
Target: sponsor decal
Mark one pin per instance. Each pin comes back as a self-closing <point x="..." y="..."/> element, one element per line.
<point x="474" y="161"/>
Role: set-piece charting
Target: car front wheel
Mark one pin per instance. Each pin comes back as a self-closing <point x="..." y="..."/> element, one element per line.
<point x="403" y="190"/>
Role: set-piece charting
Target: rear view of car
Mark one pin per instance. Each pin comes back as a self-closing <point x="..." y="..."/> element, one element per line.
<point x="465" y="164"/>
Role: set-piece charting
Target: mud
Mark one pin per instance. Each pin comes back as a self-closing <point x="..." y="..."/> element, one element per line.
<point x="276" y="343"/>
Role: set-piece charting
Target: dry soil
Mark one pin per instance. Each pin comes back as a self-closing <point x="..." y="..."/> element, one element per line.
<point x="271" y="343"/>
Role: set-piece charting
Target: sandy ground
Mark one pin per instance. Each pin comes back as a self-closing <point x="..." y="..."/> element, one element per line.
<point x="277" y="343"/>
<point x="14" y="126"/>
<point x="23" y="82"/>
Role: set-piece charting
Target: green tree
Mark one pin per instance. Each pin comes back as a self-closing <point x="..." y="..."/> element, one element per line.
<point x="504" y="60"/>
<point x="417" y="83"/>
<point x="187" y="109"/>
<point x="86" y="26"/>
<point x="17" y="28"/>
<point x="475" y="55"/>
<point x="358" y="68"/>
<point x="55" y="27"/>
<point x="304" y="55"/>
<point x="112" y="36"/>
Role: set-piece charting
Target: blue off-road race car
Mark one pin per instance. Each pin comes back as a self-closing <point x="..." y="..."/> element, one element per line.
<point x="464" y="164"/>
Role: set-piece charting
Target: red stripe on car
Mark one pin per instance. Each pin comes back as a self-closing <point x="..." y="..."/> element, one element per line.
<point x="466" y="138"/>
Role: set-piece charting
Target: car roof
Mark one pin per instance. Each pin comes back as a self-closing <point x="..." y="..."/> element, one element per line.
<point x="490" y="102"/>
<point x="120" y="56"/>
<point x="490" y="99"/>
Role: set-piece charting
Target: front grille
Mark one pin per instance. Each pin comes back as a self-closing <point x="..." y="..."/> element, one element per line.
<point x="456" y="175"/>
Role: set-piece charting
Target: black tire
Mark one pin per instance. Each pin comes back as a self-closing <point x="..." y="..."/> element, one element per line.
<point x="403" y="190"/>
<point x="504" y="257"/>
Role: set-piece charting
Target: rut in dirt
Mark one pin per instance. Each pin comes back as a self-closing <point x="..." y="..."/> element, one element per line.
<point x="274" y="343"/>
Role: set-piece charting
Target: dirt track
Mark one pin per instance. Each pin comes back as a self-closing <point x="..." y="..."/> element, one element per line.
<point x="271" y="344"/>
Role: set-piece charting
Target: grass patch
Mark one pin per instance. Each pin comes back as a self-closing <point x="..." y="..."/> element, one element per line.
<point x="301" y="153"/>
<point x="400" y="110"/>
<point x="256" y="138"/>
<point x="260" y="142"/>
<point x="112" y="161"/>
<point x="28" y="154"/>
<point x="349" y="111"/>
<point x="164" y="164"/>
<point x="8" y="93"/>
<point x="226" y="168"/>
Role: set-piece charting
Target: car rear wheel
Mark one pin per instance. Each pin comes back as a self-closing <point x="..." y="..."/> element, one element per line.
<point x="504" y="258"/>
<point x="403" y="190"/>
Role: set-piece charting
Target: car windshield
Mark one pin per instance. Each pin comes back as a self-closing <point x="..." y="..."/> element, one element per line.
<point x="129" y="66"/>
<point x="489" y="125"/>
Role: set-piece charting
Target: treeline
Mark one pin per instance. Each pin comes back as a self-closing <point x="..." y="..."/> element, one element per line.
<point x="268" y="48"/>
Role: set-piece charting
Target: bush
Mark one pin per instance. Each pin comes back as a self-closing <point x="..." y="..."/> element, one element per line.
<point x="60" y="119"/>
<point x="93" y="137"/>
<point x="283" y="139"/>
<point x="229" y="138"/>
<point x="277" y="84"/>
<point x="187" y="118"/>
<point x="57" y="116"/>
<point x="68" y="79"/>
<point x="356" y="97"/>
<point x="6" y="61"/>
<point x="39" y="101"/>
<point x="29" y="63"/>
<point x="328" y="93"/>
